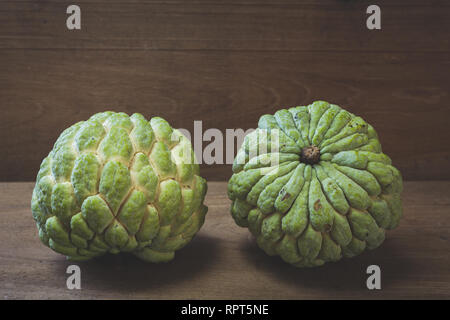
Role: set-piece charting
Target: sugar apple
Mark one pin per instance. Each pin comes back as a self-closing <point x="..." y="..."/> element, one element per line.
<point x="118" y="183"/>
<point x="320" y="189"/>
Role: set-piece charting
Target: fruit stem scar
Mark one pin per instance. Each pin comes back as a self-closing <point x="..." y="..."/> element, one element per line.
<point x="310" y="154"/>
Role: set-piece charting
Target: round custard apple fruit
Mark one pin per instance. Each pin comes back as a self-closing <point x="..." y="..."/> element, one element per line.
<point x="312" y="185"/>
<point x="118" y="183"/>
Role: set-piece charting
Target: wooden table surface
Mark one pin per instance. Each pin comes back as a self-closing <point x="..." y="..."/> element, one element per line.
<point x="223" y="262"/>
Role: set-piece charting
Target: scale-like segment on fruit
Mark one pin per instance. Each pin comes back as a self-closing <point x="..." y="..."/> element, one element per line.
<point x="327" y="192"/>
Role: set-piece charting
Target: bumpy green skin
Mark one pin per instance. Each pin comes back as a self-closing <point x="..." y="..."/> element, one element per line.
<point x="310" y="214"/>
<point x="118" y="183"/>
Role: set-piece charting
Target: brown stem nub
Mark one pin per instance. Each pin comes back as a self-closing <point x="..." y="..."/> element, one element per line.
<point x="310" y="155"/>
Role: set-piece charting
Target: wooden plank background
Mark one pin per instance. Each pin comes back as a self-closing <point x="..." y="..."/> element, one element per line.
<point x="225" y="63"/>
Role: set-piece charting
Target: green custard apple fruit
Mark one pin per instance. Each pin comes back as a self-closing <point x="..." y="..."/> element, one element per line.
<point x="118" y="183"/>
<point x="320" y="189"/>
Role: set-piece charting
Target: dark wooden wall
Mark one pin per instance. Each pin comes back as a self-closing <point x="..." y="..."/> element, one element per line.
<point x="226" y="63"/>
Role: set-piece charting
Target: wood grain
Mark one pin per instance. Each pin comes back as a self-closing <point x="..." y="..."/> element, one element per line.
<point x="322" y="25"/>
<point x="225" y="64"/>
<point x="222" y="262"/>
